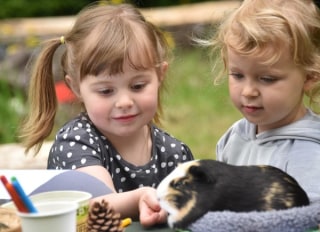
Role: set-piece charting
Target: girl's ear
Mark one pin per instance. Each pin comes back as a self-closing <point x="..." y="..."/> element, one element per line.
<point x="164" y="68"/>
<point x="310" y="81"/>
<point x="70" y="83"/>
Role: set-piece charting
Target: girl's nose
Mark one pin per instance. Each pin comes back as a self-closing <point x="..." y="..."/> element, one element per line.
<point x="124" y="101"/>
<point x="249" y="90"/>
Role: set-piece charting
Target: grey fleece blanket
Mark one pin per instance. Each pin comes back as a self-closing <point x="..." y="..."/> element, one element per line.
<point x="299" y="219"/>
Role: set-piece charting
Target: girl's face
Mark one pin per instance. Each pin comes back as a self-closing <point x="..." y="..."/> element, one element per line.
<point x="121" y="104"/>
<point x="269" y="96"/>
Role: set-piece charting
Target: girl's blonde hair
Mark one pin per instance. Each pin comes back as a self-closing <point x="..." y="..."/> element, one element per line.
<point x="258" y="25"/>
<point x="102" y="39"/>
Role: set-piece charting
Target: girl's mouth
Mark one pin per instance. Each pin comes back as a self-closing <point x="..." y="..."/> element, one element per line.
<point x="125" y="118"/>
<point x="251" y="109"/>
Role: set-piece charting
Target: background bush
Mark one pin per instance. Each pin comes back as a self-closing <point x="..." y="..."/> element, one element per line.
<point x="40" y="8"/>
<point x="11" y="110"/>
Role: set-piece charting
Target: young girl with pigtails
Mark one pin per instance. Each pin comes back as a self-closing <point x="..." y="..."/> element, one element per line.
<point x="114" y="61"/>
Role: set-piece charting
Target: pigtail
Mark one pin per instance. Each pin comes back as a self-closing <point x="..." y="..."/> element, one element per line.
<point x="42" y="100"/>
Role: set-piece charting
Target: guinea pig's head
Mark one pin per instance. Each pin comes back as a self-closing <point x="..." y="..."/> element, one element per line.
<point x="184" y="193"/>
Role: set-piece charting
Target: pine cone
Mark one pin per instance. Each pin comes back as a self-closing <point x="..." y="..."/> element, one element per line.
<point x="103" y="218"/>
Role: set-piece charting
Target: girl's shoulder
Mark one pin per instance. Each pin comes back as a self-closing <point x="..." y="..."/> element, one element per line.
<point x="79" y="124"/>
<point x="158" y="132"/>
<point x="81" y="129"/>
<point x="77" y="144"/>
<point x="162" y="140"/>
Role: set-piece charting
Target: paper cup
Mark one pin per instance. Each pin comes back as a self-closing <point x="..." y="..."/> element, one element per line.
<point x="51" y="217"/>
<point x="79" y="197"/>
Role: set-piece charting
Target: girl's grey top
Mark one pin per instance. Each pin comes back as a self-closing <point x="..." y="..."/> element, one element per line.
<point x="294" y="148"/>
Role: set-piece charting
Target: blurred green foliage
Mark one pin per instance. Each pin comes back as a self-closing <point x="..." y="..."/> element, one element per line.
<point x="41" y="8"/>
<point x="12" y="103"/>
<point x="161" y="3"/>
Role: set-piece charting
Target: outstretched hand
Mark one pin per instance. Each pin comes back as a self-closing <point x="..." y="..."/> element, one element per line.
<point x="150" y="210"/>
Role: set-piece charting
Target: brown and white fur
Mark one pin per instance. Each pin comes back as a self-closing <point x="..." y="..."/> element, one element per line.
<point x="196" y="187"/>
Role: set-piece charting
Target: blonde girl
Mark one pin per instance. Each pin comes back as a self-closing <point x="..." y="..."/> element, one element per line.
<point x="271" y="52"/>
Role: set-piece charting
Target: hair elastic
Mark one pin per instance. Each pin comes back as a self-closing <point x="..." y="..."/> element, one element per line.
<point x="62" y="41"/>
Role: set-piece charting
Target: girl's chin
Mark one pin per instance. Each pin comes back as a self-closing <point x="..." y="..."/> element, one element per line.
<point x="255" y="121"/>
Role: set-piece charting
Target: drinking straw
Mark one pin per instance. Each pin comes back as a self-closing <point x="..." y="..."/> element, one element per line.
<point x="14" y="195"/>
<point x="23" y="196"/>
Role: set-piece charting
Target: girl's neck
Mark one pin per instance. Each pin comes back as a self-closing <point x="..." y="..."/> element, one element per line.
<point x="135" y="149"/>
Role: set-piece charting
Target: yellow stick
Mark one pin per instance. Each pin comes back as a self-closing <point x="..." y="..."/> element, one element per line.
<point x="125" y="222"/>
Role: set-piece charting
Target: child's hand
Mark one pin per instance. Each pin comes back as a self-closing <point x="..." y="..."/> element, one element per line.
<point x="150" y="210"/>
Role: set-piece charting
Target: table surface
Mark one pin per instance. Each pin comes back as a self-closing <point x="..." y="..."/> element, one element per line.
<point x="136" y="227"/>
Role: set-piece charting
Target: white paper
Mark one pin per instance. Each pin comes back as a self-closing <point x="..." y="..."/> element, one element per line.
<point x="28" y="179"/>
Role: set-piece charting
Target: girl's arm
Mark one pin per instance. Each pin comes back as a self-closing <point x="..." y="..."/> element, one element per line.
<point x="100" y="173"/>
<point x="131" y="203"/>
<point x="125" y="203"/>
<point x="139" y="204"/>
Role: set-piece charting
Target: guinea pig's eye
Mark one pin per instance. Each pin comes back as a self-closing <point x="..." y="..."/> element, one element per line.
<point x="177" y="184"/>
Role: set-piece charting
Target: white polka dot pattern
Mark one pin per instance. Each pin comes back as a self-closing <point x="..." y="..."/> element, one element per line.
<point x="79" y="144"/>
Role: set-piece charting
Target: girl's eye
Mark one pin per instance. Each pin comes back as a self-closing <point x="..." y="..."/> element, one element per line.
<point x="267" y="79"/>
<point x="236" y="75"/>
<point x="105" y="91"/>
<point x="138" y="86"/>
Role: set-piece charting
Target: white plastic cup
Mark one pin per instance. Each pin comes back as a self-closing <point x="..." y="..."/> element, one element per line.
<point x="79" y="197"/>
<point x="51" y="217"/>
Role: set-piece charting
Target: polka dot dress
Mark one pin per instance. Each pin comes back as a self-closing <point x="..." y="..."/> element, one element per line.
<point x="78" y="144"/>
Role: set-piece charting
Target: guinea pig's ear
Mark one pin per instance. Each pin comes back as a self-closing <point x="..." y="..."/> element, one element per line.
<point x="201" y="174"/>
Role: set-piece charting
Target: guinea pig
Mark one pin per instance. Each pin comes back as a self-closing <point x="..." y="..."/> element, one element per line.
<point x="195" y="187"/>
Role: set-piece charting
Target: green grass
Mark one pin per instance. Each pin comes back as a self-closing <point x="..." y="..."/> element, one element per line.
<point x="197" y="111"/>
